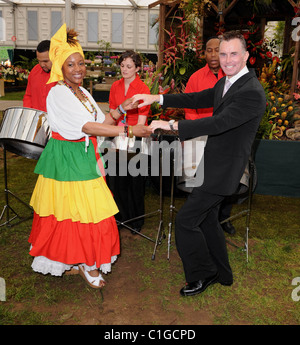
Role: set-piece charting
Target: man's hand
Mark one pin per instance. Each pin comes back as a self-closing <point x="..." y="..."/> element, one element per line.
<point x="147" y="99"/>
<point x="162" y="125"/>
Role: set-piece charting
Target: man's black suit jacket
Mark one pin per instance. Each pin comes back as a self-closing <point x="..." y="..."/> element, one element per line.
<point x="231" y="129"/>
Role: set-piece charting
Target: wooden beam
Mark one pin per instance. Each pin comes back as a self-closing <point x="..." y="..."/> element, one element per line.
<point x="296" y="56"/>
<point x="221" y="8"/>
<point x="230" y="6"/>
<point x="161" y="34"/>
<point x="292" y="3"/>
<point x="163" y="2"/>
<point x="9" y="2"/>
<point x="295" y="67"/>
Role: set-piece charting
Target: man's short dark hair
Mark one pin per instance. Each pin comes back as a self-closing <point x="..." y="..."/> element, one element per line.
<point x="211" y="38"/>
<point x="43" y="46"/>
<point x="230" y="35"/>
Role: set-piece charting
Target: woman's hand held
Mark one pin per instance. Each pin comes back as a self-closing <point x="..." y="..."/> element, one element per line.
<point x="141" y="131"/>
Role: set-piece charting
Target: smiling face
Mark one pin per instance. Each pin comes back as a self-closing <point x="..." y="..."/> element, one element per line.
<point x="233" y="57"/>
<point x="74" y="70"/>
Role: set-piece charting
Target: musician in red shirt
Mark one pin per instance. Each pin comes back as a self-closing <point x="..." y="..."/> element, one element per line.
<point x="37" y="90"/>
<point x="128" y="86"/>
<point x="129" y="191"/>
<point x="205" y="78"/>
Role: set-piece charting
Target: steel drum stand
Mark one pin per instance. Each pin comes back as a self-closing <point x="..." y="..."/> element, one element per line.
<point x="172" y="208"/>
<point x="7" y="208"/>
<point x="160" y="233"/>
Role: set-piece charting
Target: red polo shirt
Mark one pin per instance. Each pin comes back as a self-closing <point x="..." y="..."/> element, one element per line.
<point x="37" y="90"/>
<point x="202" y="79"/>
<point x="117" y="96"/>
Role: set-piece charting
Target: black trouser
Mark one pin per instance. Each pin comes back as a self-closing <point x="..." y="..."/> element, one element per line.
<point x="200" y="239"/>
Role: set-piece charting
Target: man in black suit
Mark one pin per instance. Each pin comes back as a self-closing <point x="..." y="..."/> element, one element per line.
<point x="231" y="131"/>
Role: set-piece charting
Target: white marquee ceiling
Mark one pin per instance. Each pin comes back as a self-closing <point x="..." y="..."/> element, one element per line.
<point x="83" y="2"/>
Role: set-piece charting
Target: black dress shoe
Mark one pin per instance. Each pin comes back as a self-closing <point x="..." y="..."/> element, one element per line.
<point x="229" y="228"/>
<point x="198" y="286"/>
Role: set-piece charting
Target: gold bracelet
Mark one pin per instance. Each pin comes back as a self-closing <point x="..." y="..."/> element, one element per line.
<point x="130" y="132"/>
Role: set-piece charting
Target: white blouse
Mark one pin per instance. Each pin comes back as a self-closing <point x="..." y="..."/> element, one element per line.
<point x="67" y="115"/>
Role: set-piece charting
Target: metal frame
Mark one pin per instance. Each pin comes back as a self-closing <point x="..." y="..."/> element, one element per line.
<point x="7" y="208"/>
<point x="246" y="212"/>
<point x="160" y="233"/>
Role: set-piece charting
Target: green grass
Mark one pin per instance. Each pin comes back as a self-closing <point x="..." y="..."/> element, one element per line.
<point x="261" y="293"/>
<point x="13" y="96"/>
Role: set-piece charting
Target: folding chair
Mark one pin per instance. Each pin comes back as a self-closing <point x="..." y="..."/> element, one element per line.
<point x="243" y="194"/>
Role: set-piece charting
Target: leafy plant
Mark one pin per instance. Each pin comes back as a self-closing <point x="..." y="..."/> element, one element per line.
<point x="26" y="62"/>
<point x="104" y="47"/>
<point x="157" y="85"/>
<point x="288" y="63"/>
<point x="182" y="53"/>
<point x="196" y="7"/>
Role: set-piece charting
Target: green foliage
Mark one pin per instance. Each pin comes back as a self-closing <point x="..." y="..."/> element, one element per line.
<point x="26" y="62"/>
<point x="182" y="53"/>
<point x="287" y="63"/>
<point x="104" y="47"/>
<point x="196" y="7"/>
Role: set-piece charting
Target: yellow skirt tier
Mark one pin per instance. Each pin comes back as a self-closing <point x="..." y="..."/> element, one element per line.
<point x="81" y="201"/>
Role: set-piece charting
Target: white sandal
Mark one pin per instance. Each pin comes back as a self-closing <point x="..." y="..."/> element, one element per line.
<point x="94" y="282"/>
<point x="72" y="271"/>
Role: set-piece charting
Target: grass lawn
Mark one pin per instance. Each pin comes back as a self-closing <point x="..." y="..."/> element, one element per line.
<point x="142" y="291"/>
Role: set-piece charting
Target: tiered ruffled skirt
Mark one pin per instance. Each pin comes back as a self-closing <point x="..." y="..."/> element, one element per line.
<point x="73" y="210"/>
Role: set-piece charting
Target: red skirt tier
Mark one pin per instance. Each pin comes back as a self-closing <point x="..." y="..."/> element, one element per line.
<point x="73" y="242"/>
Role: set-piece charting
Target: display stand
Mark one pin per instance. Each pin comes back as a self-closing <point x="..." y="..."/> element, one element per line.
<point x="7" y="209"/>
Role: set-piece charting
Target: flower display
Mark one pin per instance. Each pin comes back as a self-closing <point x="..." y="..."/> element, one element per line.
<point x="297" y="94"/>
<point x="159" y="85"/>
<point x="281" y="108"/>
<point x="13" y="73"/>
<point x="279" y="116"/>
<point x="257" y="47"/>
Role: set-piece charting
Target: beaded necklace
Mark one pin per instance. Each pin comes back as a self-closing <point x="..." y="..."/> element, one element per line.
<point x="94" y="110"/>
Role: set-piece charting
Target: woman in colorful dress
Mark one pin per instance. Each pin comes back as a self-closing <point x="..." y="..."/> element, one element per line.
<point x="74" y="225"/>
<point x="129" y="191"/>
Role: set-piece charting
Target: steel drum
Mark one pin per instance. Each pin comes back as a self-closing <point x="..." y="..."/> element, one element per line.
<point x="123" y="143"/>
<point x="24" y="131"/>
